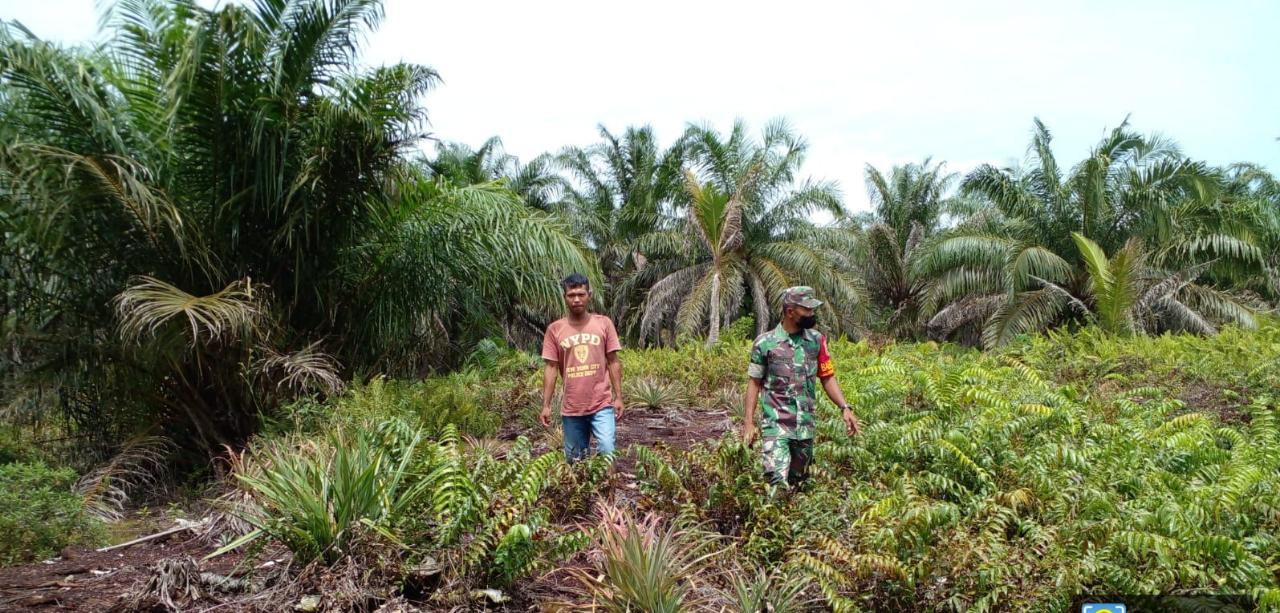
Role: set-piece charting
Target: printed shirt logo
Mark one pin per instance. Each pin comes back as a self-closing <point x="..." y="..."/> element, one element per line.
<point x="580" y="344"/>
<point x="580" y="339"/>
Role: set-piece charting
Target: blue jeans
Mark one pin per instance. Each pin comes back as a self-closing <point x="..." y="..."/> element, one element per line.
<point x="579" y="429"/>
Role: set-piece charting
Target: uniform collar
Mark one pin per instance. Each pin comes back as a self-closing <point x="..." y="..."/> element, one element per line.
<point x="780" y="333"/>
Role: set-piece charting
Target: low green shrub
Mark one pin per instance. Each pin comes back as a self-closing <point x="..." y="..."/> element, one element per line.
<point x="462" y="400"/>
<point x="39" y="514"/>
<point x="13" y="448"/>
<point x="486" y="516"/>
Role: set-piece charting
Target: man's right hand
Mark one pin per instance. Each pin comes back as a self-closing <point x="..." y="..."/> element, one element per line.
<point x="748" y="434"/>
<point x="545" y="416"/>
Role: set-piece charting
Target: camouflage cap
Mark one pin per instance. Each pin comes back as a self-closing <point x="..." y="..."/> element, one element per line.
<point x="800" y="295"/>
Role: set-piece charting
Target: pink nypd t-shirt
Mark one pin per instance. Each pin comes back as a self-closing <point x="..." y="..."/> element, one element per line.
<point x="581" y="352"/>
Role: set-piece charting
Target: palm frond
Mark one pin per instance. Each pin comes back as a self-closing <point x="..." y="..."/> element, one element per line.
<point x="972" y="309"/>
<point x="149" y="303"/>
<point x="137" y="466"/>
<point x="668" y="295"/>
<point x="1096" y="264"/>
<point x="1024" y="312"/>
<point x="305" y="370"/>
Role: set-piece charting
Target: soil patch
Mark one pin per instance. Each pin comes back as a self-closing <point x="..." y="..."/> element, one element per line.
<point x="90" y="580"/>
<point x="679" y="429"/>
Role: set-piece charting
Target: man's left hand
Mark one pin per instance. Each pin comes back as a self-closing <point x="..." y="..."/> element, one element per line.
<point x="851" y="422"/>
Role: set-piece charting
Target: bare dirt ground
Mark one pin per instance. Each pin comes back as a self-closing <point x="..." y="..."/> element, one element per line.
<point x="88" y="580"/>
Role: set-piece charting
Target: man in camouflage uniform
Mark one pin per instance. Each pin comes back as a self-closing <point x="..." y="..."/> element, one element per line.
<point x="786" y="365"/>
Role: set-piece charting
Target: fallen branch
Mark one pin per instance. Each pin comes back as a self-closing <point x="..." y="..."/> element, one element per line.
<point x="151" y="537"/>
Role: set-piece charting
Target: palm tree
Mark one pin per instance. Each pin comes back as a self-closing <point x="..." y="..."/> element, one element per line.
<point x="994" y="269"/>
<point x="1237" y="222"/>
<point x="621" y="188"/>
<point x="909" y="207"/>
<point x="912" y="195"/>
<point x="536" y="183"/>
<point x="225" y="188"/>
<point x="747" y="231"/>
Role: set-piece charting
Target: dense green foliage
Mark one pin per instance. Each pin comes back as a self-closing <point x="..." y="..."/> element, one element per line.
<point x="218" y="211"/>
<point x="39" y="514"/>
<point x="221" y="236"/>
<point x="1019" y="478"/>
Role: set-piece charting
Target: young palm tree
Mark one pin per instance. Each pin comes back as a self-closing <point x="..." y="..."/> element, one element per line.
<point x="717" y="219"/>
<point x="747" y="231"/>
<point x="1125" y="295"/>
<point x="226" y="188"/>
<point x="909" y="207"/>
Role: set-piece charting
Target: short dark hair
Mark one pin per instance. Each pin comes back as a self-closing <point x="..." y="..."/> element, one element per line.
<point x="576" y="279"/>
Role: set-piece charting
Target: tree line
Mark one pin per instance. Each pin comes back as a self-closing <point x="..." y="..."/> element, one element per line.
<point x="219" y="210"/>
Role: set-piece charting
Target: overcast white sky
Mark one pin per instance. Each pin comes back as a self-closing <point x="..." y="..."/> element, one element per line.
<point x="864" y="82"/>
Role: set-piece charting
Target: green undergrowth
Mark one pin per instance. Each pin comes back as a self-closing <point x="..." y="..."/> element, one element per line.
<point x="39" y="513"/>
<point x="1019" y="479"/>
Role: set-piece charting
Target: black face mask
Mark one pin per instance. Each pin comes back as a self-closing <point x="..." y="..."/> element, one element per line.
<point x="806" y="323"/>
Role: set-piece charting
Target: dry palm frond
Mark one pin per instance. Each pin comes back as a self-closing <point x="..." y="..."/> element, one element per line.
<point x="969" y="310"/>
<point x="226" y="521"/>
<point x="487" y="446"/>
<point x="106" y="489"/>
<point x="149" y="303"/>
<point x="172" y="585"/>
<point x="668" y="295"/>
<point x="307" y="370"/>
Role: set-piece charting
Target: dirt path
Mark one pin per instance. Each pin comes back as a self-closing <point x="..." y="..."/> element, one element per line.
<point x="679" y="429"/>
<point x="88" y="580"/>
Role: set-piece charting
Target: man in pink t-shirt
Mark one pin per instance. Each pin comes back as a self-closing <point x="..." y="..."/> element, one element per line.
<point x="582" y="348"/>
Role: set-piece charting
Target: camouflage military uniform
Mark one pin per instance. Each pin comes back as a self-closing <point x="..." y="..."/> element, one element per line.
<point x="789" y="367"/>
